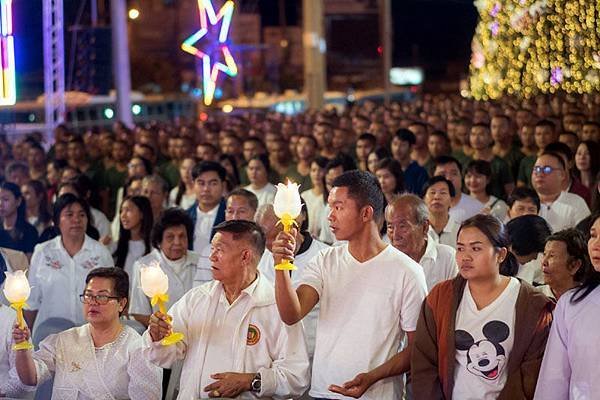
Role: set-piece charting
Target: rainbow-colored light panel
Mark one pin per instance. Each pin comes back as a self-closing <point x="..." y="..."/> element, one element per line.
<point x="8" y="86"/>
<point x="210" y="68"/>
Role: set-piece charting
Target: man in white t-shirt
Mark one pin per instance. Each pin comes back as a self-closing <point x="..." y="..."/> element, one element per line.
<point x="408" y="229"/>
<point x="463" y="205"/>
<point x="560" y="209"/>
<point x="370" y="295"/>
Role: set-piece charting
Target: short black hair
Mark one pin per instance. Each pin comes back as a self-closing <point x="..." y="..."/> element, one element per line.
<point x="206" y="166"/>
<point x="560" y="148"/>
<point x="437" y="179"/>
<point x="245" y="230"/>
<point x="528" y="234"/>
<point x="364" y="188"/>
<point x="523" y="193"/>
<point x="406" y="135"/>
<point x="443" y="160"/>
<point x="169" y="218"/>
<point x="248" y="195"/>
<point x="576" y="249"/>
<point x="341" y="160"/>
<point x="65" y="201"/>
<point x="546" y="122"/>
<point x="120" y="280"/>
<point x="482" y="167"/>
<point x="321" y="161"/>
<point x="263" y="159"/>
<point x="557" y="156"/>
<point x="368" y="137"/>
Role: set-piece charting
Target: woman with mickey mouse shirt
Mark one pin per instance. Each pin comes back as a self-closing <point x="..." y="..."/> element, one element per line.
<point x="482" y="334"/>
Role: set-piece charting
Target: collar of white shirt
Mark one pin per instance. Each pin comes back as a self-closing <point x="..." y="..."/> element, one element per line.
<point x="560" y="199"/>
<point x="261" y="291"/>
<point x="430" y="251"/>
<point x="209" y="213"/>
<point x="87" y="244"/>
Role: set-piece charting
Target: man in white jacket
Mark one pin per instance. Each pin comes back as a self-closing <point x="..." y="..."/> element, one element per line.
<point x="235" y="345"/>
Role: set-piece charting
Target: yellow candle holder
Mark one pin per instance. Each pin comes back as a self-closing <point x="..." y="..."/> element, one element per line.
<point x="174" y="337"/>
<point x="287" y="221"/>
<point x="18" y="306"/>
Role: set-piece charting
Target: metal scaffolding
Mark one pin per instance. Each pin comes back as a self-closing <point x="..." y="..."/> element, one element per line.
<point x="54" y="64"/>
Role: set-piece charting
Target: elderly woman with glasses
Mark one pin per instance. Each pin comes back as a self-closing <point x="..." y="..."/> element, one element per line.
<point x="99" y="360"/>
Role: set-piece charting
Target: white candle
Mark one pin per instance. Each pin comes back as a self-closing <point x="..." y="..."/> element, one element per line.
<point x="16" y="287"/>
<point x="287" y="200"/>
<point x="154" y="280"/>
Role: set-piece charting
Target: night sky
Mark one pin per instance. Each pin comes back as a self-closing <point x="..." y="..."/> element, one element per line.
<point x="431" y="33"/>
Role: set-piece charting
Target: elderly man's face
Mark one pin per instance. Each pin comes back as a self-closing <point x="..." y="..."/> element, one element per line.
<point x="404" y="232"/>
<point x="228" y="257"/>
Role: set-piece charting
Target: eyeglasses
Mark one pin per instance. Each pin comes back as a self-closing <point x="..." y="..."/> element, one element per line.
<point x="546" y="169"/>
<point x="101" y="299"/>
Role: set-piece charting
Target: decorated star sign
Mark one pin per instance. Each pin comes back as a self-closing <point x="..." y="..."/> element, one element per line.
<point x="212" y="52"/>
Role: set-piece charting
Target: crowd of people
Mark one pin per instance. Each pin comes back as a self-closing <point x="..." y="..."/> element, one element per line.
<point x="446" y="248"/>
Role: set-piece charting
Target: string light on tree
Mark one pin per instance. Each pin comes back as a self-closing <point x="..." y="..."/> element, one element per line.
<point x="526" y="47"/>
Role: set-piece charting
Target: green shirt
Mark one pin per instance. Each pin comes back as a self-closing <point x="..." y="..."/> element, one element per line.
<point x="525" y="170"/>
<point x="513" y="159"/>
<point x="462" y="158"/>
<point x="170" y="172"/>
<point x="295" y="176"/>
<point x="501" y="176"/>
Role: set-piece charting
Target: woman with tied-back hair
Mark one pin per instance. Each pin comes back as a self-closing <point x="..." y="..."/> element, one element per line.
<point x="134" y="233"/>
<point x="570" y="366"/>
<point x="183" y="195"/>
<point x="482" y="334"/>
<point x="37" y="207"/>
<point x="15" y="232"/>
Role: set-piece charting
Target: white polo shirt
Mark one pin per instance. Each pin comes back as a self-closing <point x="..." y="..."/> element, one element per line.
<point x="565" y="212"/>
<point x="57" y="279"/>
<point x="366" y="307"/>
<point x="265" y="195"/>
<point x="438" y="262"/>
<point x="466" y="207"/>
<point x="449" y="233"/>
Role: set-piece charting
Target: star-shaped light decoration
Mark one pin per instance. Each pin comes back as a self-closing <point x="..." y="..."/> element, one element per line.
<point x="210" y="67"/>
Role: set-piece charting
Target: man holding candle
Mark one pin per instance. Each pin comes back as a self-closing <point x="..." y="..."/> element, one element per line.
<point x="234" y="344"/>
<point x="369" y="292"/>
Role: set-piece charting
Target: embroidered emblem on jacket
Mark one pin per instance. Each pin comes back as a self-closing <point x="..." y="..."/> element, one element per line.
<point x="253" y="335"/>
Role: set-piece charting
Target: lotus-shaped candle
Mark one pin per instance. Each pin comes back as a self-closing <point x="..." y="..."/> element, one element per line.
<point x="17" y="290"/>
<point x="155" y="284"/>
<point x="287" y="206"/>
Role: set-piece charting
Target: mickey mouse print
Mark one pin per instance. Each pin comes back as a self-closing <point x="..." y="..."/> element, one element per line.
<point x="483" y="341"/>
<point x="485" y="358"/>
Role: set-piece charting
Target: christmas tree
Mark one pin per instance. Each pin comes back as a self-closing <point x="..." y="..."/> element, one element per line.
<point x="527" y="47"/>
